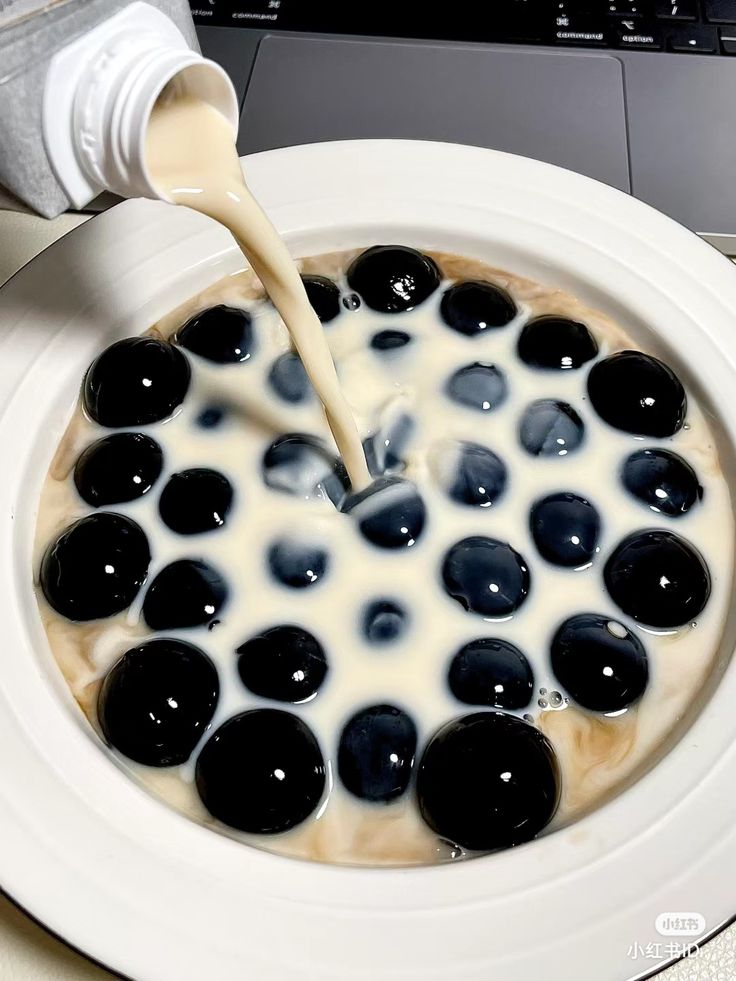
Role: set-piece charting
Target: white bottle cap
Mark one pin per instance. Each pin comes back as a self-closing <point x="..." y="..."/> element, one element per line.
<point x="99" y="94"/>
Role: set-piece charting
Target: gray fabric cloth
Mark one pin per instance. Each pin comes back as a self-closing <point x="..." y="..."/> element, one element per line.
<point x="26" y="47"/>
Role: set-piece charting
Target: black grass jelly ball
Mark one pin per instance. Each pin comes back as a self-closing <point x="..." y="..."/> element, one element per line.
<point x="323" y="296"/>
<point x="186" y="593"/>
<point x="638" y="394"/>
<point x="658" y="578"/>
<point x="490" y="671"/>
<point x="118" y="468"/>
<point x="486" y="576"/>
<point x="95" y="567"/>
<point x="195" y="501"/>
<point x="393" y="278"/>
<point x="157" y="701"/>
<point x="599" y="662"/>
<point x="261" y="772"/>
<point x="488" y="781"/>
<point x="285" y="663"/>
<point x="471" y="308"/>
<point x="221" y="334"/>
<point x="136" y="382"/>
<point x="662" y="480"/>
<point x="376" y="753"/>
<point x="556" y="343"/>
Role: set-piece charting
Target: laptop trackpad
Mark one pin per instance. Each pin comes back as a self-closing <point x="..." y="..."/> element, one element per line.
<point x="563" y="107"/>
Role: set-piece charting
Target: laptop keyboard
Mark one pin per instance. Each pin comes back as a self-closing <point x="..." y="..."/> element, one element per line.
<point x="682" y="26"/>
<point x="704" y="27"/>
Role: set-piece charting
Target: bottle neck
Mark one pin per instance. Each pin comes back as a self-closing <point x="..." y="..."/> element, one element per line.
<point x="100" y="92"/>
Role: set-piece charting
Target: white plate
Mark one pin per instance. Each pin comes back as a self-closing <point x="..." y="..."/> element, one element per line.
<point x="157" y="897"/>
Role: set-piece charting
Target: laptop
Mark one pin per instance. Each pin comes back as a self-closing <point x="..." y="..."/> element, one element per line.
<point x="637" y="93"/>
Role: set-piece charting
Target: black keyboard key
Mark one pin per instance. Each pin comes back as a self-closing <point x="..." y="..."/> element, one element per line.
<point x="582" y="30"/>
<point x="518" y="20"/>
<point x="515" y="31"/>
<point x="627" y="9"/>
<point x="644" y="37"/>
<point x="676" y="9"/>
<point x="728" y="42"/>
<point x="720" y="11"/>
<point x="565" y="11"/>
<point x="578" y="8"/>
<point x="693" y="40"/>
<point x="519" y="8"/>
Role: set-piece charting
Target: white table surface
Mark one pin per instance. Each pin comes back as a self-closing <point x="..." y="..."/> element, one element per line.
<point x="27" y="952"/>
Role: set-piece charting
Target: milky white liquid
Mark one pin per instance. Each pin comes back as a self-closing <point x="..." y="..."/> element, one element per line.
<point x="192" y="159"/>
<point x="598" y="755"/>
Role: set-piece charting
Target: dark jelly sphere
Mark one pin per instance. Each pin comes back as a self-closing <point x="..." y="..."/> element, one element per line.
<point x="195" y="500"/>
<point x="556" y="343"/>
<point x="211" y="417"/>
<point x="135" y="382"/>
<point x="551" y="428"/>
<point x="390" y="513"/>
<point x="384" y="621"/>
<point x="469" y="473"/>
<point x="478" y="386"/>
<point x="261" y="772"/>
<point x="302" y="466"/>
<point x="662" y="480"/>
<point x="488" y="781"/>
<point x="637" y="393"/>
<point x="118" y="468"/>
<point x="486" y="577"/>
<point x="473" y="307"/>
<point x="95" y="567"/>
<point x="385" y="449"/>
<point x="289" y="379"/>
<point x="285" y="663"/>
<point x="324" y="297"/>
<point x="376" y="753"/>
<point x="599" y="662"/>
<point x="157" y="700"/>
<point x="565" y="528"/>
<point x="220" y="334"/>
<point x="393" y="278"/>
<point x="186" y="593"/>
<point x="390" y="340"/>
<point x="658" y="578"/>
<point x="297" y="564"/>
<point x="492" y="672"/>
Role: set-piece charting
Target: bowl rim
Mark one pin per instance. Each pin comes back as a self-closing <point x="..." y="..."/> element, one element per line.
<point x="72" y="825"/>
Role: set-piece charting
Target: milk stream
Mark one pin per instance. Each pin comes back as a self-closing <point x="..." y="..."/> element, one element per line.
<point x="192" y="158"/>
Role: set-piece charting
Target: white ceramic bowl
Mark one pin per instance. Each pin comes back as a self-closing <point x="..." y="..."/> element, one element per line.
<point x="157" y="897"/>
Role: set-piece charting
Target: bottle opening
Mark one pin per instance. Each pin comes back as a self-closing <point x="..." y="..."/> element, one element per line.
<point x="204" y="81"/>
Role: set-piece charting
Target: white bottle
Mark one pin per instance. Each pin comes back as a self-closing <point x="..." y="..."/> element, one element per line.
<point x="84" y="131"/>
